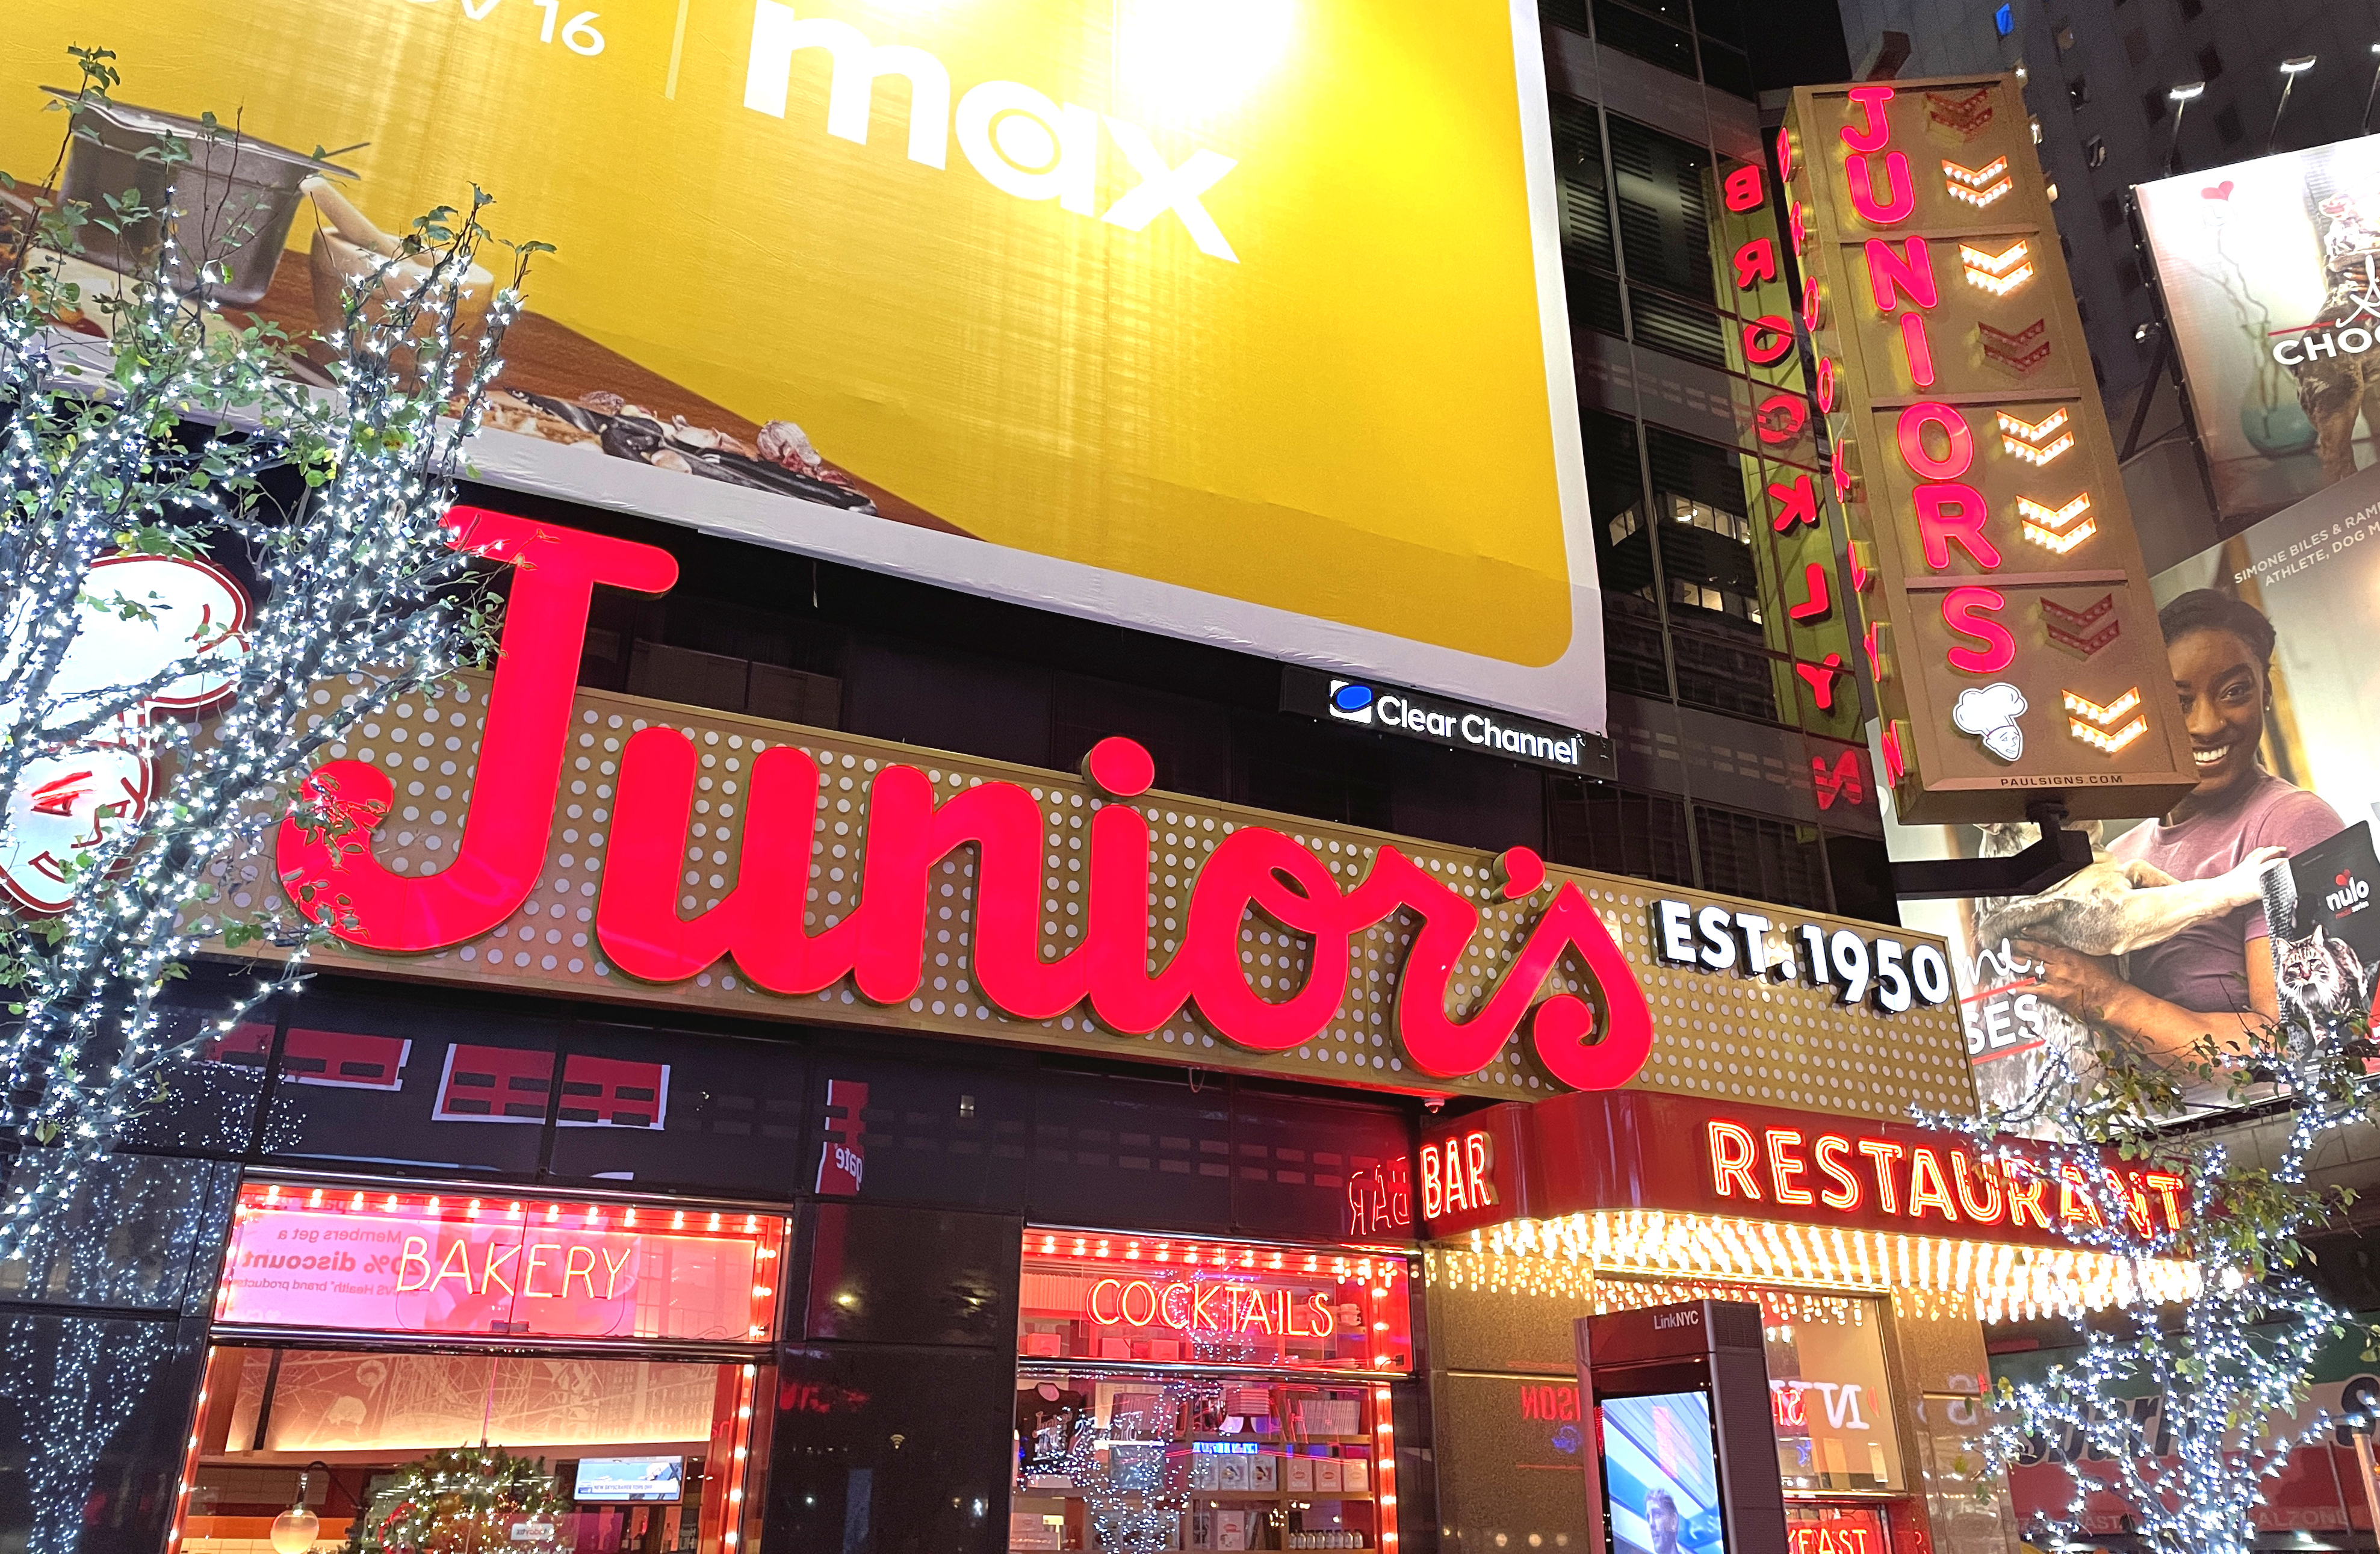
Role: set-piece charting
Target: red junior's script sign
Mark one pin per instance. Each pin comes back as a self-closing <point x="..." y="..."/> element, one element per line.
<point x="880" y="944"/>
<point x="464" y="1267"/>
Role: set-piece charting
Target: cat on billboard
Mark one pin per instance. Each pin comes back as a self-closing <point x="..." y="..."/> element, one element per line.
<point x="2270" y="273"/>
<point x="2249" y="899"/>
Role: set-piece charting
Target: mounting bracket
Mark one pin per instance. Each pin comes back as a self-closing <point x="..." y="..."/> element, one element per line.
<point x="2060" y="853"/>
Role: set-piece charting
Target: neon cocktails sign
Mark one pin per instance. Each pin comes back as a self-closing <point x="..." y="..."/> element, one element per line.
<point x="880" y="944"/>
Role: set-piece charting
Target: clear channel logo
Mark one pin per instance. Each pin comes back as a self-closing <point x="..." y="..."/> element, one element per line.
<point x="1350" y="701"/>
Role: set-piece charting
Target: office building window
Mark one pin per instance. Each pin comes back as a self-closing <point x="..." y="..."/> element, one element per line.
<point x="1756" y="856"/>
<point x="2210" y="62"/>
<point x="2227" y="127"/>
<point x="1654" y="41"/>
<point x="1618" y="831"/>
<point x="2004" y="20"/>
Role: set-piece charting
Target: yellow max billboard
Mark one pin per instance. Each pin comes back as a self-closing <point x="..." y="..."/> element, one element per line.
<point x="1239" y="319"/>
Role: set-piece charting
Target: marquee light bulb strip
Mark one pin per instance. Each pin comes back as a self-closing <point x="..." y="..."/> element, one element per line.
<point x="2036" y="441"/>
<point x="1978" y="187"/>
<point x="2086" y="713"/>
<point x="2057" y="529"/>
<point x="2000" y="272"/>
<point x="2006" y="1280"/>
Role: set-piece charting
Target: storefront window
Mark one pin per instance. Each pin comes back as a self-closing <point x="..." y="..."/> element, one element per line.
<point x="1836" y="1529"/>
<point x="1202" y="1395"/>
<point x="377" y="1359"/>
<point x="1828" y="1387"/>
<point x="608" y="1456"/>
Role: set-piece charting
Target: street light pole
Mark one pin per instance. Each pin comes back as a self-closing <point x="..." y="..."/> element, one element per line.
<point x="2374" y="91"/>
<point x="2181" y="97"/>
<point x="2290" y="70"/>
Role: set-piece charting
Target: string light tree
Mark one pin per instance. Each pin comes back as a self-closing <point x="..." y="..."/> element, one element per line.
<point x="2185" y="1414"/>
<point x="144" y="431"/>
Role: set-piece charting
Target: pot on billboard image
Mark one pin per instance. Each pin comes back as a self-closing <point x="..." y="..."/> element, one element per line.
<point x="1159" y="314"/>
<point x="2270" y="272"/>
<point x="2251" y="898"/>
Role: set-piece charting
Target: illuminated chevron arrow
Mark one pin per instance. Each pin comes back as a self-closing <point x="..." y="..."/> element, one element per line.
<point x="2000" y="272"/>
<point x="2080" y="629"/>
<point x="2036" y="441"/>
<point x="2020" y="350"/>
<point x="1963" y="117"/>
<point x="2057" y="529"/>
<point x="1977" y="185"/>
<point x="2091" y="722"/>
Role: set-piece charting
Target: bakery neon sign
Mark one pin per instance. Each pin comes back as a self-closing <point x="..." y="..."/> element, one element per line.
<point x="327" y="864"/>
<point x="489" y="1266"/>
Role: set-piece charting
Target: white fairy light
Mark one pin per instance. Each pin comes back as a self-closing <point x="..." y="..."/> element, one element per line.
<point x="173" y="437"/>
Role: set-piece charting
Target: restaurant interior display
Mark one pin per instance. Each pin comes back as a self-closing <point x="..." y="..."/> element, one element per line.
<point x="1175" y="1394"/>
<point x="586" y="1370"/>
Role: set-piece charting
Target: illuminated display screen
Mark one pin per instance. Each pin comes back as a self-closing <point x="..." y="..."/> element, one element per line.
<point x="631" y="1479"/>
<point x="1660" y="1474"/>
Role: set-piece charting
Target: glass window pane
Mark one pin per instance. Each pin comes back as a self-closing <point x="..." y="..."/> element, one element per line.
<point x="1634" y="32"/>
<point x="129" y="1234"/>
<point x="388" y="1082"/>
<point x="1727" y="71"/>
<point x="672" y="1109"/>
<point x="1664" y="213"/>
<point x="1766" y="859"/>
<point x="1618" y="831"/>
<point x="1722" y="20"/>
<point x="1152" y="1147"/>
<point x="1682" y="329"/>
<point x="1585" y="193"/>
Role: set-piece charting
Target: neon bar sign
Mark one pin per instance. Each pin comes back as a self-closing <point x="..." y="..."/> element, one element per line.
<point x="880" y="944"/>
<point x="1458" y="1174"/>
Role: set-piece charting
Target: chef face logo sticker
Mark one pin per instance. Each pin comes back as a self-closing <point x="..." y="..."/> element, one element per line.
<point x="1990" y="713"/>
<point x="142" y="616"/>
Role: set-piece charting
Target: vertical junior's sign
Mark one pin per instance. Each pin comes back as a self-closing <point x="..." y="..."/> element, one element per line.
<point x="2005" y="605"/>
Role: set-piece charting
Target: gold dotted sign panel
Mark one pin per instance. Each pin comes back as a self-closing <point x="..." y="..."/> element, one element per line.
<point x="1716" y="1034"/>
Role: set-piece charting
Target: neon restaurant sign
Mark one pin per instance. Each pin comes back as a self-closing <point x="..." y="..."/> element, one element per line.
<point x="2005" y="603"/>
<point x="888" y="888"/>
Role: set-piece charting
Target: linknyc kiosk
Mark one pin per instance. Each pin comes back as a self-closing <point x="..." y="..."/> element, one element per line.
<point x="1686" y="1457"/>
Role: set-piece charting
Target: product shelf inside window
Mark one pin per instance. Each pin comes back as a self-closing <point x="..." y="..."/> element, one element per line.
<point x="1196" y="1462"/>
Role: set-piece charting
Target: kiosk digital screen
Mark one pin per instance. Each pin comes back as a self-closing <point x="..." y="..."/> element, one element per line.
<point x="631" y="1479"/>
<point x="1660" y="1474"/>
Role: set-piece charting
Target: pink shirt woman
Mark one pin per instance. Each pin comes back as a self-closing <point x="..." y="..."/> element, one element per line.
<point x="2215" y="978"/>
